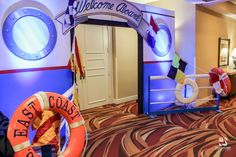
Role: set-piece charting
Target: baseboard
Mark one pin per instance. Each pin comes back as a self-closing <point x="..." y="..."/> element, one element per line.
<point x="125" y="99"/>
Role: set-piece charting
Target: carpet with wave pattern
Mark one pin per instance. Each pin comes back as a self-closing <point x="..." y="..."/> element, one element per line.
<point x="118" y="131"/>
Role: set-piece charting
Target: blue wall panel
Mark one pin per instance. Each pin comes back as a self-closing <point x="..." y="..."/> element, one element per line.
<point x="15" y="88"/>
<point x="157" y="69"/>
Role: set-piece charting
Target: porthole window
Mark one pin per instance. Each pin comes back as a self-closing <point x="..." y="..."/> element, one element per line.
<point x="29" y="33"/>
<point x="163" y="41"/>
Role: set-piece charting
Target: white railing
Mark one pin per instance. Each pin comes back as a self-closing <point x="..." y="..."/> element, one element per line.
<point x="153" y="90"/>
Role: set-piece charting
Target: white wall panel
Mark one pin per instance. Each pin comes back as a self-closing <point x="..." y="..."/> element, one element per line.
<point x="61" y="53"/>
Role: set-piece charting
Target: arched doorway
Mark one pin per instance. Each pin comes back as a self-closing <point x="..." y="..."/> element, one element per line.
<point x="80" y="11"/>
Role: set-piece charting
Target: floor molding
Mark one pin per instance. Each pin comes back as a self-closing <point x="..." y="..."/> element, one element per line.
<point x="125" y="99"/>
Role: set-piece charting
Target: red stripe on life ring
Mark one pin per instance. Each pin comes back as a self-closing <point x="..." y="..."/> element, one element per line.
<point x="220" y="81"/>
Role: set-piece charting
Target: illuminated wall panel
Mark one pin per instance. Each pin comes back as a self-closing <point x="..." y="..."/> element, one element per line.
<point x="34" y="52"/>
<point x="59" y="54"/>
<point x="158" y="64"/>
<point x="15" y="88"/>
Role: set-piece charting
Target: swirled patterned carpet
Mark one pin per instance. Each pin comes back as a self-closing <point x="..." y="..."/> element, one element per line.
<point x="117" y="131"/>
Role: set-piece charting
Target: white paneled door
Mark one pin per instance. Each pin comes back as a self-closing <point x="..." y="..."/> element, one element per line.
<point x="95" y="89"/>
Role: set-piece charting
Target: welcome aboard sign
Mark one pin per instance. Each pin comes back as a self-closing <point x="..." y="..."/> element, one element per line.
<point x="81" y="9"/>
<point x="78" y="11"/>
<point x="112" y="7"/>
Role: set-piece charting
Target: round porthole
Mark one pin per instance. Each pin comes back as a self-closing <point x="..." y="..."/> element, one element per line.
<point x="29" y="33"/>
<point x="163" y="41"/>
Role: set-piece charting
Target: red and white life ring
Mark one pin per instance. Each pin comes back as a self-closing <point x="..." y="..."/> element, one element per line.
<point x="18" y="130"/>
<point x="220" y="81"/>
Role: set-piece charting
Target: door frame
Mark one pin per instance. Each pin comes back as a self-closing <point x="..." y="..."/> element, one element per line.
<point x="83" y="83"/>
<point x="140" y="55"/>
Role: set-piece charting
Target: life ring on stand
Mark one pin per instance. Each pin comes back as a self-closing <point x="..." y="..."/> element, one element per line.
<point x="179" y="88"/>
<point x="18" y="131"/>
<point x="220" y="81"/>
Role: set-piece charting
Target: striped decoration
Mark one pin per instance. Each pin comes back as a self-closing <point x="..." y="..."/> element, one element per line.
<point x="47" y="125"/>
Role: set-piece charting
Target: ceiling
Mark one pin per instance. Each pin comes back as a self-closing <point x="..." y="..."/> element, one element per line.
<point x="142" y="1"/>
<point x="226" y="8"/>
<point x="190" y="1"/>
<point x="233" y="1"/>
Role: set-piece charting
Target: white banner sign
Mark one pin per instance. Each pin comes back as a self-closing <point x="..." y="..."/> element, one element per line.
<point x="78" y="11"/>
<point x="112" y="7"/>
<point x="81" y="9"/>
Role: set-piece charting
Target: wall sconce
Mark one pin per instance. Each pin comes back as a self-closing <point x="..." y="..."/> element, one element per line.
<point x="233" y="55"/>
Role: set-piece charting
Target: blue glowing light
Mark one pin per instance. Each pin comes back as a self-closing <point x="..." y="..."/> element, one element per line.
<point x="29" y="33"/>
<point x="163" y="41"/>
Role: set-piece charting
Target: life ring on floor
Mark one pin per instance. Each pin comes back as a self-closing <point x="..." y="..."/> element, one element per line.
<point x="18" y="131"/>
<point x="220" y="81"/>
<point x="179" y="88"/>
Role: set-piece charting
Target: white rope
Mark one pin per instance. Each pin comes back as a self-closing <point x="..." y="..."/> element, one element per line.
<point x="200" y="69"/>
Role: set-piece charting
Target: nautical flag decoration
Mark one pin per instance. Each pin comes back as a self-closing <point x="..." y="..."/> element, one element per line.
<point x="76" y="63"/>
<point x="150" y="36"/>
<point x="47" y="125"/>
<point x="76" y="66"/>
<point x="78" y="60"/>
<point x="76" y="94"/>
<point x="71" y="65"/>
<point x="154" y="25"/>
<point x="47" y="150"/>
<point x="69" y="15"/>
<point x="151" y="40"/>
<point x="177" y="69"/>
